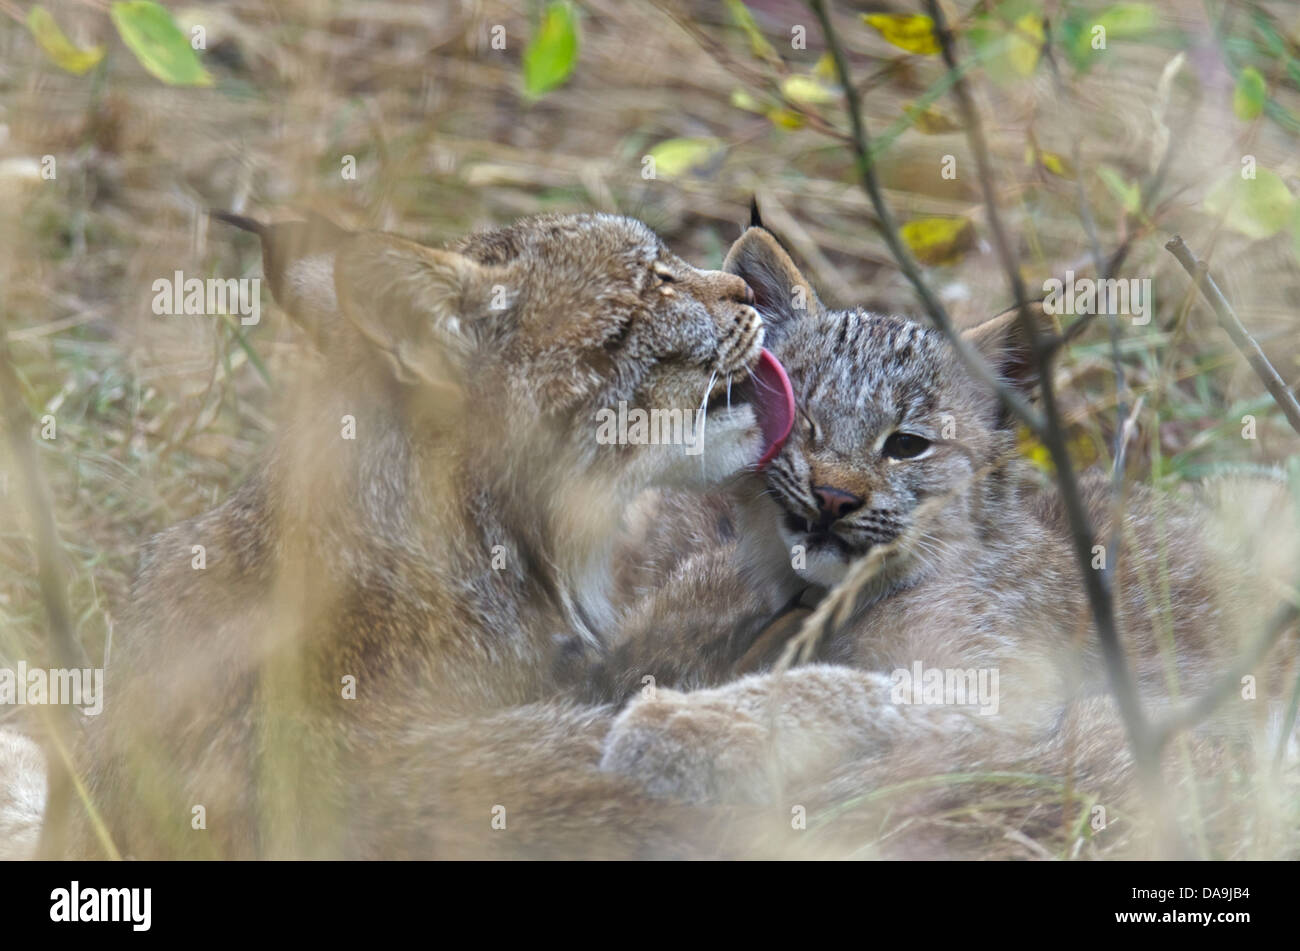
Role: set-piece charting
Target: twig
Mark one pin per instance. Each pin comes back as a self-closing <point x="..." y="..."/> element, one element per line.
<point x="1233" y="326"/>
<point x="1047" y="428"/>
<point x="861" y="141"/>
<point x="746" y="73"/>
<point x="1123" y="435"/>
<point x="1096" y="584"/>
<point x="1125" y="421"/>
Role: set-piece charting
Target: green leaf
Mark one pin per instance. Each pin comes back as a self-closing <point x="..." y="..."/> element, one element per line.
<point x="1130" y="196"/>
<point x="1120" y="21"/>
<point x="1250" y="95"/>
<point x="60" y="49"/>
<point x="1127" y="20"/>
<point x="553" y="51"/>
<point x="158" y="43"/>
<point x="676" y="157"/>
<point x="938" y="240"/>
<point x="758" y="43"/>
<point x="1257" y="207"/>
<point x="913" y="32"/>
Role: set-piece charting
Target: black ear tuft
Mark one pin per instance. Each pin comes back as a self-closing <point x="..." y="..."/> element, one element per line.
<point x="298" y="263"/>
<point x="755" y="220"/>
<point x="239" y="221"/>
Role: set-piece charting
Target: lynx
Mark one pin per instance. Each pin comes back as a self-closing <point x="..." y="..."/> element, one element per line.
<point x="430" y="530"/>
<point x="904" y="465"/>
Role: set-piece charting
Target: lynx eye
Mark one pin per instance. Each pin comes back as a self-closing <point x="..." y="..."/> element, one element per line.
<point x="904" y="446"/>
<point x="664" y="272"/>
<point x="811" y="429"/>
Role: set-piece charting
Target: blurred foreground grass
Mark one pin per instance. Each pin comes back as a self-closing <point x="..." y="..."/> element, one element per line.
<point x="155" y="418"/>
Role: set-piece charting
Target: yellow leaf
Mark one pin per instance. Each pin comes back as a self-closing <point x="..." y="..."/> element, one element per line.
<point x="1026" y="43"/>
<point x="938" y="240"/>
<point x="1034" y="451"/>
<point x="743" y="100"/>
<point x="908" y="31"/>
<point x="1052" y="161"/>
<point x="758" y="43"/>
<point x="931" y="121"/>
<point x="779" y="116"/>
<point x="1079" y="445"/>
<point x="58" y="47"/>
<point x="825" y="69"/>
<point x="674" y="157"/>
<point x="805" y="89"/>
<point x="1083" y="450"/>
<point x="785" y="118"/>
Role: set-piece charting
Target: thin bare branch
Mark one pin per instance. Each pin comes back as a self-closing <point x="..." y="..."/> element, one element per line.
<point x="861" y="141"/>
<point x="1237" y="331"/>
<point x="1096" y="583"/>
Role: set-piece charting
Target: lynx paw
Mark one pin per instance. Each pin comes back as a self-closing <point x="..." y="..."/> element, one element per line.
<point x="692" y="747"/>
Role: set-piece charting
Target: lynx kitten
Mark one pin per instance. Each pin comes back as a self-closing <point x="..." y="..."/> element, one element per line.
<point x="902" y="476"/>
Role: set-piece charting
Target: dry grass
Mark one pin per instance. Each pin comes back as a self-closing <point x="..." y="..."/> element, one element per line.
<point x="157" y="417"/>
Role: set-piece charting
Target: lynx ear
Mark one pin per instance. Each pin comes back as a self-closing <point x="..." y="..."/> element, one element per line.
<point x="1003" y="343"/>
<point x="298" y="261"/>
<point x="418" y="305"/>
<point x="781" y="294"/>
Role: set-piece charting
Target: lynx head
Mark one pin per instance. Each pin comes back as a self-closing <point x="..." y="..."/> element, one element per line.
<point x="888" y="419"/>
<point x="528" y="336"/>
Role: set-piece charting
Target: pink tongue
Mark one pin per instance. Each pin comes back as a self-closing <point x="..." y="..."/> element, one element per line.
<point x="773" y="404"/>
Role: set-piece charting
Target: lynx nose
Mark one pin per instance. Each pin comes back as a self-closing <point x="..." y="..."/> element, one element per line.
<point x="835" y="503"/>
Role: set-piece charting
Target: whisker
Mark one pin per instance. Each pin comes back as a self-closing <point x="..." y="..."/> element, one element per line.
<point x="704" y="401"/>
<point x="704" y="421"/>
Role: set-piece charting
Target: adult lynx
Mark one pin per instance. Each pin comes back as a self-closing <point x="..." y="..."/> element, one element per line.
<point x="437" y="516"/>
